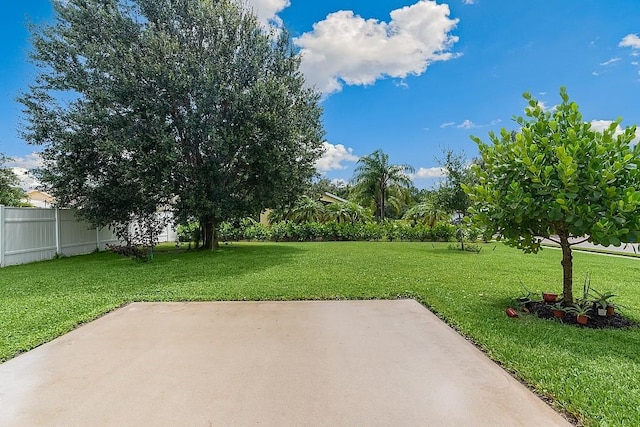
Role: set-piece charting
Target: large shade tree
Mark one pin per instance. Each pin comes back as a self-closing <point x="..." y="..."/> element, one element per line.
<point x="141" y="104"/>
<point x="559" y="178"/>
<point x="376" y="179"/>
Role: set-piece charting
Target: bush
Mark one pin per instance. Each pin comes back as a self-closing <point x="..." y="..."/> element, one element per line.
<point x="443" y="231"/>
<point x="287" y="231"/>
<point x="257" y="231"/>
<point x="230" y="233"/>
<point x="189" y="232"/>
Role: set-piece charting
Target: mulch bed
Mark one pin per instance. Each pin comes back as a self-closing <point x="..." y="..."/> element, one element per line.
<point x="545" y="311"/>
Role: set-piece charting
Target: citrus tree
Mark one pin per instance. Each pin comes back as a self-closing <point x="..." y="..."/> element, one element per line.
<point x="559" y="178"/>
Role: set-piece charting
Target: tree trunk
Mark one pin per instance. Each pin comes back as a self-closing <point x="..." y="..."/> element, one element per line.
<point x="207" y="230"/>
<point x="567" y="269"/>
<point x="214" y="243"/>
<point x="460" y="230"/>
<point x="210" y="235"/>
<point x="382" y="204"/>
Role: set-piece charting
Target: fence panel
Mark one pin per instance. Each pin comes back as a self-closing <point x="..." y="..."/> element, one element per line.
<point x="106" y="237"/>
<point x="76" y="237"/>
<point x="29" y="234"/>
<point x="34" y="234"/>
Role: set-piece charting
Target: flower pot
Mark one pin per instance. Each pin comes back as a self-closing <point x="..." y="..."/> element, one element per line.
<point x="511" y="312"/>
<point x="547" y="297"/>
<point x="582" y="319"/>
<point x="602" y="311"/>
<point x="558" y="314"/>
<point x="610" y="310"/>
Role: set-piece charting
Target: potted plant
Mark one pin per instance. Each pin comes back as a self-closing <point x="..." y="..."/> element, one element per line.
<point x="611" y="309"/>
<point x="558" y="310"/>
<point x="604" y="306"/>
<point x="524" y="301"/>
<point x="581" y="311"/>
<point x="548" y="297"/>
<point x="601" y="309"/>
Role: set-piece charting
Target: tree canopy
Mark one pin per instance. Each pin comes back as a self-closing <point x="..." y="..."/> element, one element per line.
<point x="561" y="179"/>
<point x="375" y="179"/>
<point x="10" y="192"/>
<point x="141" y="104"/>
<point x="450" y="195"/>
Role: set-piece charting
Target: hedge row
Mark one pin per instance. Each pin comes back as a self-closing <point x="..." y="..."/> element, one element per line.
<point x="332" y="231"/>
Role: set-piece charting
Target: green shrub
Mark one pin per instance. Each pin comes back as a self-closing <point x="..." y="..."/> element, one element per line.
<point x="288" y="231"/>
<point x="443" y="231"/>
<point x="189" y="232"/>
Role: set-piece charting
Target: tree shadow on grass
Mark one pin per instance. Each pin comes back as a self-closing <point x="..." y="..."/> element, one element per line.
<point x="230" y="261"/>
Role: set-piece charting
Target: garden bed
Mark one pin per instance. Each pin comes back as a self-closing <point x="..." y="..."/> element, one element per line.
<point x="545" y="311"/>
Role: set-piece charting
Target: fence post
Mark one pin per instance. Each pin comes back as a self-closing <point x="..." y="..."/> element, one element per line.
<point x="97" y="239"/>
<point x="2" y="236"/>
<point x="58" y="245"/>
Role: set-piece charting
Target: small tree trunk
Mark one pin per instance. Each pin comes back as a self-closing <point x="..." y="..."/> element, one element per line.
<point x="460" y="231"/>
<point x="214" y="236"/>
<point x="567" y="269"/>
<point x="207" y="234"/>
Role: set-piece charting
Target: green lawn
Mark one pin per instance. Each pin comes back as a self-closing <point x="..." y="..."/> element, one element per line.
<point x="593" y="374"/>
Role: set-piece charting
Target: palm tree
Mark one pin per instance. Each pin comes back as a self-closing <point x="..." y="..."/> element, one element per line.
<point x="347" y="212"/>
<point x="307" y="210"/>
<point x="426" y="212"/>
<point x="374" y="177"/>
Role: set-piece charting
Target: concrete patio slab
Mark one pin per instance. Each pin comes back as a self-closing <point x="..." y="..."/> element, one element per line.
<point x="329" y="363"/>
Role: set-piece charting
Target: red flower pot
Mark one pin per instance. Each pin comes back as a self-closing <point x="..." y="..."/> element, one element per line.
<point x="610" y="310"/>
<point x="511" y="312"/>
<point x="558" y="314"/>
<point x="582" y="319"/>
<point x="547" y="297"/>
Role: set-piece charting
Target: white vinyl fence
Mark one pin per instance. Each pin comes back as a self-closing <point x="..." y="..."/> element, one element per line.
<point x="34" y="234"/>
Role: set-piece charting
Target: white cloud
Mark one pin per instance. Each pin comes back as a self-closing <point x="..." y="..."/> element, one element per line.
<point x="630" y="40"/>
<point x="467" y="124"/>
<point x="31" y="161"/>
<point x="26" y="180"/>
<point x="601" y="125"/>
<point x="339" y="182"/>
<point x="423" y="173"/>
<point x="267" y="10"/>
<point x="609" y="62"/>
<point x="544" y="107"/>
<point x="469" y="1"/>
<point x="595" y="73"/>
<point x="21" y="166"/>
<point x="333" y="157"/>
<point x="345" y="48"/>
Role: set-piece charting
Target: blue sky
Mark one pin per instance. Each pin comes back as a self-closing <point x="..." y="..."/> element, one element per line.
<point x="415" y="77"/>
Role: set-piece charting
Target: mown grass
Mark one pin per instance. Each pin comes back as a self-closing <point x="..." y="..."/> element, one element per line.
<point x="592" y="374"/>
